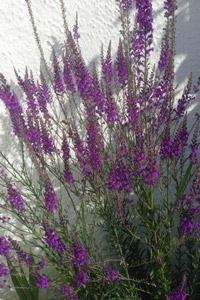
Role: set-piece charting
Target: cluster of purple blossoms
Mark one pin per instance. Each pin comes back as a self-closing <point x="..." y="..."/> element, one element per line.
<point x="79" y="260"/>
<point x="52" y="238"/>
<point x="58" y="82"/>
<point x="179" y="293"/>
<point x="143" y="36"/>
<point x="94" y="141"/>
<point x="3" y="270"/>
<point x="110" y="274"/>
<point x="12" y="104"/>
<point x="120" y="176"/>
<point x="22" y="255"/>
<point x="68" y="291"/>
<point x="67" y="72"/>
<point x="172" y="149"/>
<point x="170" y="6"/>
<point x="81" y="278"/>
<point x="4" y="247"/>
<point x="121" y="66"/>
<point x="50" y="197"/>
<point x="194" y="147"/>
<point x="110" y="106"/>
<point x="40" y="280"/>
<point x="81" y="152"/>
<point x="82" y="76"/>
<point x="186" y="98"/>
<point x="66" y="156"/>
<point x="47" y="140"/>
<point x="14" y="197"/>
<point x="107" y="68"/>
<point x="187" y="223"/>
<point x="98" y="97"/>
<point x="75" y="29"/>
<point x="80" y="256"/>
<point x="125" y="4"/>
<point x="33" y="133"/>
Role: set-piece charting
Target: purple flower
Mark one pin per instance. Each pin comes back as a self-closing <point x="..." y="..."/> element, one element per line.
<point x="50" y="196"/>
<point x="33" y="133"/>
<point x="41" y="280"/>
<point x="81" y="152"/>
<point x="81" y="278"/>
<point x="14" y="197"/>
<point x="3" y="270"/>
<point x="22" y="255"/>
<point x="170" y="6"/>
<point x="98" y="96"/>
<point x="67" y="72"/>
<point x="41" y="264"/>
<point x="194" y="147"/>
<point x="79" y="253"/>
<point x="125" y="4"/>
<point x="186" y="98"/>
<point x="110" y="274"/>
<point x="143" y="32"/>
<point x="47" y="140"/>
<point x="58" y="83"/>
<point x="52" y="238"/>
<point x="13" y="105"/>
<point x="107" y="68"/>
<point x="4" y="247"/>
<point x="68" y="290"/>
<point x="94" y="141"/>
<point x="43" y="98"/>
<point x="179" y="293"/>
<point x="121" y="66"/>
<point x="82" y="76"/>
<point x="75" y="29"/>
<point x="66" y="156"/>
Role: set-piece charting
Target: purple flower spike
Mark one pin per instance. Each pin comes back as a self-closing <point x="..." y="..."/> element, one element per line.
<point x="66" y="156"/>
<point x="4" y="247"/>
<point x="75" y="29"/>
<point x="14" y="197"/>
<point x="22" y="255"/>
<point x="14" y="107"/>
<point x="68" y="290"/>
<point x="110" y="274"/>
<point x="107" y="68"/>
<point x="81" y="278"/>
<point x="80" y="255"/>
<point x="3" y="270"/>
<point x="41" y="280"/>
<point x="180" y="293"/>
<point x="121" y="66"/>
<point x="67" y="72"/>
<point x="50" y="196"/>
<point x="52" y="238"/>
<point x="170" y="7"/>
<point x="58" y="83"/>
<point x="125" y="4"/>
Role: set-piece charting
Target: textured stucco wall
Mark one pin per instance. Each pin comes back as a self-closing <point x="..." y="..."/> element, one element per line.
<point x="98" y="22"/>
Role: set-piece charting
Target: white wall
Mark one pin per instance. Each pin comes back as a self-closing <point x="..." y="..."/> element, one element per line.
<point x="98" y="22"/>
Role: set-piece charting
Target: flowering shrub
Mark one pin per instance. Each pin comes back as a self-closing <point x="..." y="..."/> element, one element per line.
<point x="111" y="152"/>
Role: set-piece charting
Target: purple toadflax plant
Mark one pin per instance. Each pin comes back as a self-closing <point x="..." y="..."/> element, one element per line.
<point x="116" y="147"/>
